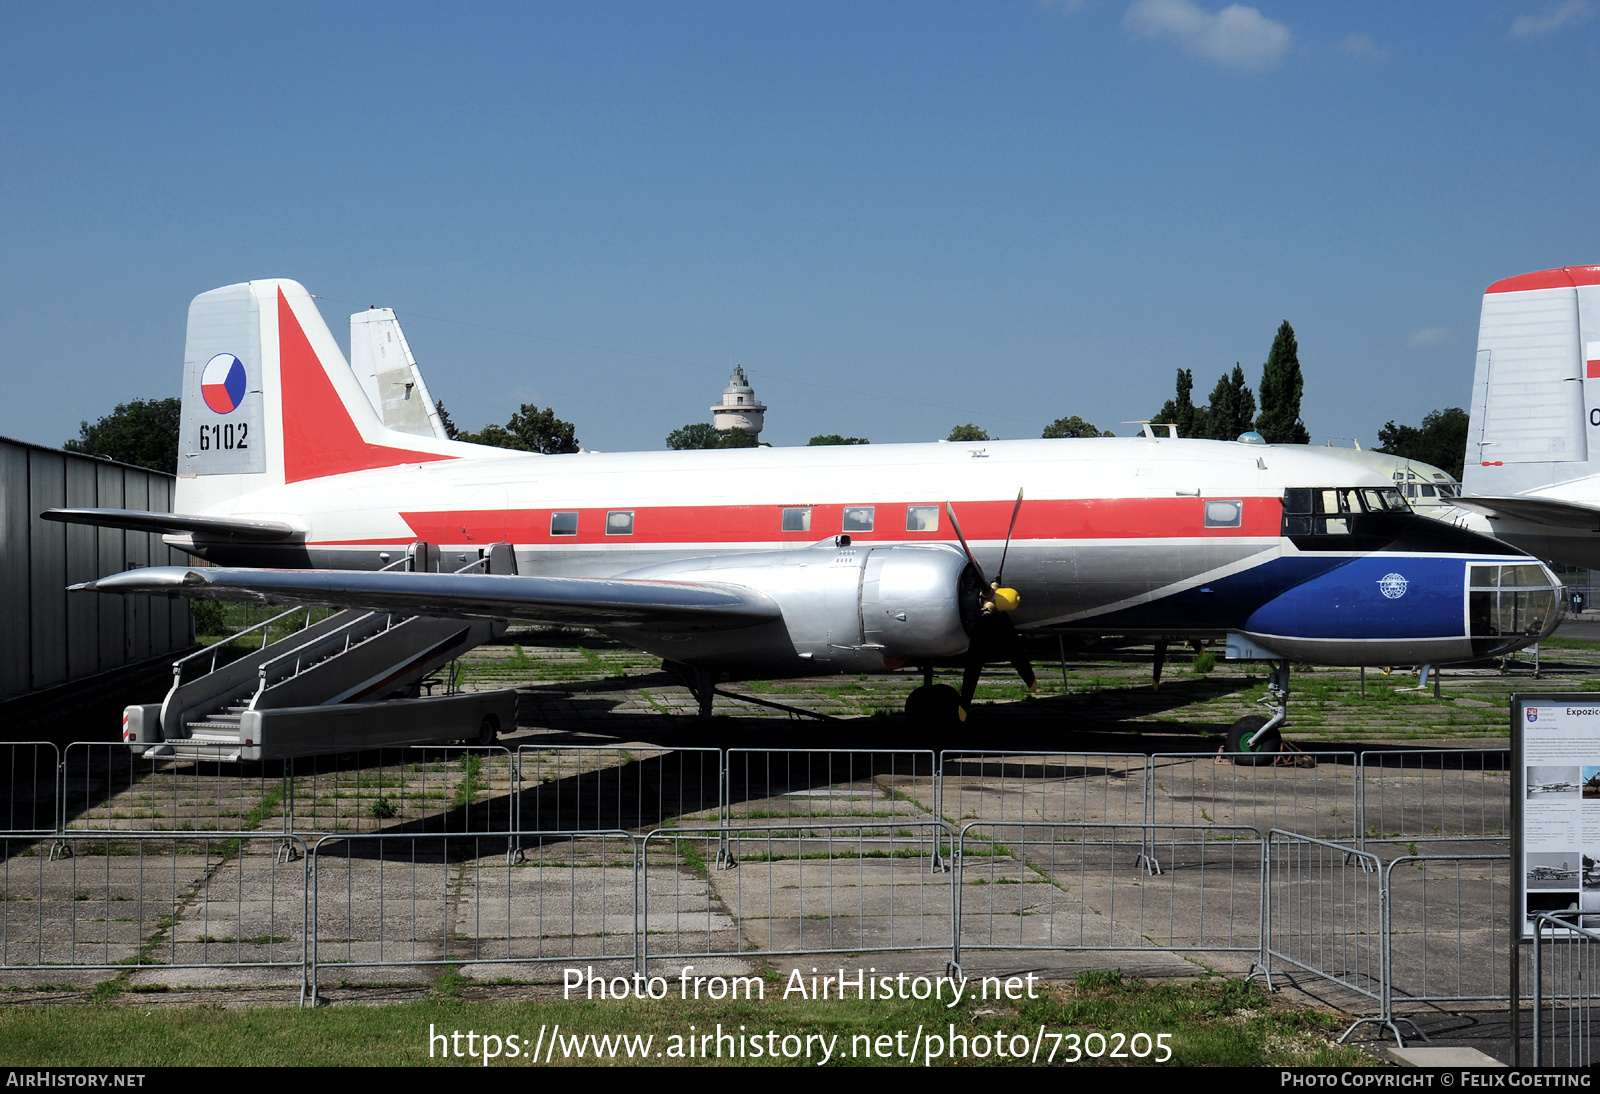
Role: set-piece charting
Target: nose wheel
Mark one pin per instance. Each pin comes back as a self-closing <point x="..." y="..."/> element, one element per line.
<point x="1255" y="741"/>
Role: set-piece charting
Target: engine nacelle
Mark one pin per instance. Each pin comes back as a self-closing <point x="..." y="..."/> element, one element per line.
<point x="845" y="608"/>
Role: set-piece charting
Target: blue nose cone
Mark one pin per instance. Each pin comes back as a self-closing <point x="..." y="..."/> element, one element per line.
<point x="1393" y="608"/>
<point x="1377" y="596"/>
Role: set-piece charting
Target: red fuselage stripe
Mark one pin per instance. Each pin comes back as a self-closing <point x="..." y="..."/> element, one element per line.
<point x="1071" y="519"/>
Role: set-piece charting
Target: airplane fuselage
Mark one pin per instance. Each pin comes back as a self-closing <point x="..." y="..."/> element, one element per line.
<point x="1127" y="536"/>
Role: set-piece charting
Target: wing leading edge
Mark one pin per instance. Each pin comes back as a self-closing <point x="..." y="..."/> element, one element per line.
<point x="613" y="602"/>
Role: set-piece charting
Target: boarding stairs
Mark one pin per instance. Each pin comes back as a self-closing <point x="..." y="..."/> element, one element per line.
<point x="353" y="657"/>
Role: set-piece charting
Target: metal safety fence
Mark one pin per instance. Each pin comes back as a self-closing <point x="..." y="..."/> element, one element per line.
<point x="1037" y="886"/>
<point x="1566" y="960"/>
<point x="577" y="787"/>
<point x="445" y="900"/>
<point x="32" y="800"/>
<point x="1311" y="792"/>
<point x="1325" y="915"/>
<point x="1001" y="786"/>
<point x="199" y="900"/>
<point x="1406" y="795"/>
<point x="1449" y="794"/>
<point x="1446" y="931"/>
<point x="797" y="887"/>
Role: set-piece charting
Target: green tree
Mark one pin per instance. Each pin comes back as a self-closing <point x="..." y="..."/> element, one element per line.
<point x="969" y="432"/>
<point x="1232" y="407"/>
<point x="450" y="429"/>
<point x="834" y="438"/>
<point x="143" y="432"/>
<point x="1441" y="440"/>
<point x="1281" y="388"/>
<point x="530" y="429"/>
<point x="1074" y="427"/>
<point x="1181" y="411"/>
<point x="700" y="435"/>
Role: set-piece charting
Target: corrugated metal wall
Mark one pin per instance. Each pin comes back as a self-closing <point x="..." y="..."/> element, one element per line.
<point x="48" y="636"/>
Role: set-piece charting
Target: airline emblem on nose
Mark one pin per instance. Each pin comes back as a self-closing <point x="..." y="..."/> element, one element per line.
<point x="1392" y="586"/>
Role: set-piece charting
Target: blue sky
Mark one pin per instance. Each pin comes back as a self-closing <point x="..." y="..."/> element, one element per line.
<point x="898" y="217"/>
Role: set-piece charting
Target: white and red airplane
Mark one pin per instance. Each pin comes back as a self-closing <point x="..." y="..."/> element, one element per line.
<point x="800" y="561"/>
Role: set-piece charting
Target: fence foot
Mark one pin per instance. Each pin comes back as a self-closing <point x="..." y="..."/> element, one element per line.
<point x="1390" y="1024"/>
<point x="60" y="849"/>
<point x="286" y="851"/>
<point x="952" y="969"/>
<point x="1266" y="974"/>
<point x="1150" y="864"/>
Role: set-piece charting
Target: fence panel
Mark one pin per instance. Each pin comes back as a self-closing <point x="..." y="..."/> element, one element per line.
<point x="1315" y="793"/>
<point x="791" y="888"/>
<point x="199" y="900"/>
<point x="432" y="788"/>
<point x="1034" y="886"/>
<point x="1436" y="794"/>
<point x="1447" y="929"/>
<point x="825" y="785"/>
<point x="1325" y="914"/>
<point x="1060" y="787"/>
<point x="107" y="787"/>
<point x="578" y="787"/>
<point x="427" y="900"/>
<point x="1566" y="960"/>
<point x="32" y="774"/>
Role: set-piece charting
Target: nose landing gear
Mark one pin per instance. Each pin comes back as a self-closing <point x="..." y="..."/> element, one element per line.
<point x="1254" y="741"/>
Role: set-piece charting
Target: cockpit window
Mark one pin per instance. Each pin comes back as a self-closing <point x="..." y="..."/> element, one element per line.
<point x="1330" y="510"/>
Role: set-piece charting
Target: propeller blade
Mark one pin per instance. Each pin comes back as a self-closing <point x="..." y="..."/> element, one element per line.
<point x="999" y="575"/>
<point x="956" y="524"/>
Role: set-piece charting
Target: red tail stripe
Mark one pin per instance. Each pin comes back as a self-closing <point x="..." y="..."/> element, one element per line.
<point x="318" y="436"/>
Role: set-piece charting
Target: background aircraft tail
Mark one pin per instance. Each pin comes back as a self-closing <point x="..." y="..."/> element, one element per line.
<point x="269" y="399"/>
<point x="382" y="360"/>
<point x="1535" y="415"/>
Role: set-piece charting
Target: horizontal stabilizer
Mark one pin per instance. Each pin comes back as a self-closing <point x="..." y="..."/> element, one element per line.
<point x="658" y="605"/>
<point x="139" y="520"/>
<point x="1546" y="511"/>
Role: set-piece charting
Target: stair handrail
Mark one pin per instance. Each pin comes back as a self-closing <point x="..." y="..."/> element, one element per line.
<point x="322" y="639"/>
<point x="216" y="647"/>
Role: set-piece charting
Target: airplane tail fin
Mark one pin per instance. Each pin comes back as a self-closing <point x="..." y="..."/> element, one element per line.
<point x="269" y="399"/>
<point x="382" y="360"/>
<point x="1535" y="415"/>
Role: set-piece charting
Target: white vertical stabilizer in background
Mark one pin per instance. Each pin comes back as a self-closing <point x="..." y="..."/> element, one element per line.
<point x="388" y="372"/>
<point x="1533" y="389"/>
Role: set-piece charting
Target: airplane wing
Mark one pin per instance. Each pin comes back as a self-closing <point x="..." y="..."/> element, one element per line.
<point x="1546" y="511"/>
<point x="140" y="520"/>
<point x="649" y="604"/>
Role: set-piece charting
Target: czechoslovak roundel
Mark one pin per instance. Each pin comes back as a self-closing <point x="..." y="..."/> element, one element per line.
<point x="222" y="383"/>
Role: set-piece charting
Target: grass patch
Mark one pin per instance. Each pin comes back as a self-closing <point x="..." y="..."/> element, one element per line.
<point x="1224" y="1023"/>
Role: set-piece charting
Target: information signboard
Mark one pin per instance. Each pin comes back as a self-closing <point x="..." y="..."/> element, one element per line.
<point x="1555" y="807"/>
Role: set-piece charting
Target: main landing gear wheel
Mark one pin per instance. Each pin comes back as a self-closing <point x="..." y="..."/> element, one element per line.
<point x="488" y="730"/>
<point x="1264" y="752"/>
<point x="936" y="706"/>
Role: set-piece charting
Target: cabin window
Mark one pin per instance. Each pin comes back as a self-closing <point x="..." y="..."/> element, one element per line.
<point x="922" y="518"/>
<point x="797" y="520"/>
<point x="1428" y="491"/>
<point x="1224" y="514"/>
<point x="619" y="523"/>
<point x="563" y="524"/>
<point x="858" y="518"/>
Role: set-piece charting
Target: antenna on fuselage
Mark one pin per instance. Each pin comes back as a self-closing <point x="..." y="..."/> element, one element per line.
<point x="1148" y="428"/>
